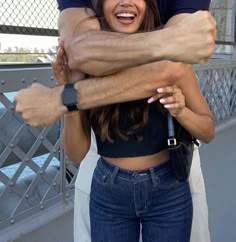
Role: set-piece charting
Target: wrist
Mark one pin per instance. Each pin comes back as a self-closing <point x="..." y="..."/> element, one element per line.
<point x="70" y="114"/>
<point x="56" y="92"/>
<point x="170" y="49"/>
<point x="181" y="114"/>
<point x="156" y="48"/>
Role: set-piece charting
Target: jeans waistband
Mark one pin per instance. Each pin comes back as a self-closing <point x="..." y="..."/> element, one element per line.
<point x="130" y="174"/>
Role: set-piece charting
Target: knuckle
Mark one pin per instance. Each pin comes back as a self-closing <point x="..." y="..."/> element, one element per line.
<point x="17" y="109"/>
<point x="33" y="124"/>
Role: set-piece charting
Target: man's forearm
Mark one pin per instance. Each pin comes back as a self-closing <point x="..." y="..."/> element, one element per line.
<point x="131" y="84"/>
<point x="97" y="52"/>
<point x="102" y="53"/>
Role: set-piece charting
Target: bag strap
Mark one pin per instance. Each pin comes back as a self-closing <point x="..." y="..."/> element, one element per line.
<point x="171" y="141"/>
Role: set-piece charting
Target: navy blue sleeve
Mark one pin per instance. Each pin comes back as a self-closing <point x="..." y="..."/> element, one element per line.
<point x="169" y="8"/>
<point x="62" y="4"/>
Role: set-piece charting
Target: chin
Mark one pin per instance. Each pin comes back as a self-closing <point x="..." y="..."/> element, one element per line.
<point x="126" y="31"/>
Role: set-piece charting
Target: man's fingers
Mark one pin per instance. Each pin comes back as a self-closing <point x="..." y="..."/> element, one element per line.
<point x="36" y="85"/>
<point x="18" y="108"/>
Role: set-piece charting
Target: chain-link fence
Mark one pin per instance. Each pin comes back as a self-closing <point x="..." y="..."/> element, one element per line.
<point x="39" y="17"/>
<point x="31" y="17"/>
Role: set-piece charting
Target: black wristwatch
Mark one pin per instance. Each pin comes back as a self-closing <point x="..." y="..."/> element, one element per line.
<point x="70" y="97"/>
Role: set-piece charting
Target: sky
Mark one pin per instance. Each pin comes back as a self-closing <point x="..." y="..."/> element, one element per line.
<point x="27" y="41"/>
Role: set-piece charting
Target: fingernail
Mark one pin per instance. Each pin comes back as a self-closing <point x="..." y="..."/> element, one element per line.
<point x="162" y="100"/>
<point x="150" y="100"/>
<point x="167" y="106"/>
<point x="160" y="89"/>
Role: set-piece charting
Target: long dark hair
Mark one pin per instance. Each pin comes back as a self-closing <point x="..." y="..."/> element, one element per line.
<point x="105" y="120"/>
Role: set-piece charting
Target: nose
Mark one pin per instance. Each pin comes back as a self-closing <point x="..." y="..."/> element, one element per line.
<point x="126" y="3"/>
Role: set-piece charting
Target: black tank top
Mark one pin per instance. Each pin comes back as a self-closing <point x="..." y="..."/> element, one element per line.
<point x="154" y="136"/>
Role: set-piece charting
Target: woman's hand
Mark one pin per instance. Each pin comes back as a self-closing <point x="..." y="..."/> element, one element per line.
<point x="172" y="99"/>
<point x="60" y="67"/>
<point x="61" y="70"/>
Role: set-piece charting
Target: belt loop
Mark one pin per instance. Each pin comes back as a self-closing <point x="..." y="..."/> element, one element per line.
<point x="153" y="177"/>
<point x="114" y="174"/>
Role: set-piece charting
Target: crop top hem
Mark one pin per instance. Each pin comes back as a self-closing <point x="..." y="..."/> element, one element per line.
<point x="130" y="155"/>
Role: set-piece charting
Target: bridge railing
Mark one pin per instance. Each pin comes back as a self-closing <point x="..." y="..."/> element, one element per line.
<point x="217" y="79"/>
<point x="34" y="172"/>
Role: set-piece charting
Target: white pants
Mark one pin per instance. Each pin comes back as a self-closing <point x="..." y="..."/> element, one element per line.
<point x="200" y="229"/>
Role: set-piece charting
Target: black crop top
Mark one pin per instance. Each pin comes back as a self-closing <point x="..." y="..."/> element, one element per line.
<point x="154" y="137"/>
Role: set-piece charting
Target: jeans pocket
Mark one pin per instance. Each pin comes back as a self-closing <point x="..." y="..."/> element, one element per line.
<point x="101" y="176"/>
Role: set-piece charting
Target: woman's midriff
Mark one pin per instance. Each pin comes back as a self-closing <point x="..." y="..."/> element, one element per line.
<point x="140" y="162"/>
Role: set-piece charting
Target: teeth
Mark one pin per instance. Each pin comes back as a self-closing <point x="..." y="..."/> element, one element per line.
<point x="125" y="15"/>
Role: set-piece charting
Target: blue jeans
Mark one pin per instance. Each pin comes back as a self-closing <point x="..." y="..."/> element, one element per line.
<point x="121" y="201"/>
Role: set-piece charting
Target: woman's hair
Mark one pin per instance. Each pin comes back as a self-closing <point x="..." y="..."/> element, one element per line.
<point x="105" y="120"/>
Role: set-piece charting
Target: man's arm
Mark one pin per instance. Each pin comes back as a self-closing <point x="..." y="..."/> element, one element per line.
<point x="131" y="84"/>
<point x="92" y="51"/>
<point x="41" y="105"/>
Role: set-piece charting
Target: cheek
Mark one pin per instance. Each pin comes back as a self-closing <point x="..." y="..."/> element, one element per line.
<point x="107" y="10"/>
<point x="108" y="6"/>
<point x="142" y="9"/>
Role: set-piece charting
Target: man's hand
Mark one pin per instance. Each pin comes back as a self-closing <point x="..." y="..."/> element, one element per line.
<point x="193" y="38"/>
<point x="40" y="105"/>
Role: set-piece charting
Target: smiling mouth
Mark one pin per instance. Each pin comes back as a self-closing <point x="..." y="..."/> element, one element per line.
<point x="125" y="16"/>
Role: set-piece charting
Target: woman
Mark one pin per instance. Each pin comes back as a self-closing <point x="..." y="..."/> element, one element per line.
<point x="133" y="182"/>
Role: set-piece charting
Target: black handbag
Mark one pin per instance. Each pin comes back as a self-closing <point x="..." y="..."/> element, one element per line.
<point x="180" y="146"/>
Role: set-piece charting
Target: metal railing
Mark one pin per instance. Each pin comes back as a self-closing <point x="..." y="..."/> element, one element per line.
<point x="34" y="173"/>
<point x="217" y="79"/>
<point x="39" y="181"/>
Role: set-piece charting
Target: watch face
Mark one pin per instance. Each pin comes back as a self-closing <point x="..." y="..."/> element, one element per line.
<point x="69" y="97"/>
